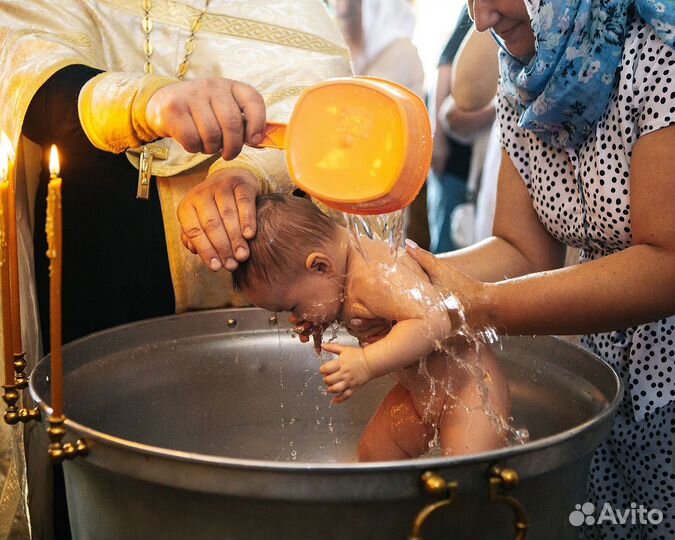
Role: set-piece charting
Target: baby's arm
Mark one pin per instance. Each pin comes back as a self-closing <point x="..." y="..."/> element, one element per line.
<point x="422" y="325"/>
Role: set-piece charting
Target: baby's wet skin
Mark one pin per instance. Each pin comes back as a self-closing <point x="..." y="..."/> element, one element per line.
<point x="369" y="331"/>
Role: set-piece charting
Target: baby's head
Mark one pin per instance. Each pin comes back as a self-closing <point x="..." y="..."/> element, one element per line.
<point x="297" y="261"/>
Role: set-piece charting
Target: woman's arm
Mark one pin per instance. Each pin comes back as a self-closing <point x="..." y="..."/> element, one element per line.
<point x="630" y="287"/>
<point x="633" y="286"/>
<point x="476" y="72"/>
<point x="470" y="106"/>
<point x="520" y="243"/>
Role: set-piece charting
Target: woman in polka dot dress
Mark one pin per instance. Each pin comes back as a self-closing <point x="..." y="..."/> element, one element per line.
<point x="587" y="114"/>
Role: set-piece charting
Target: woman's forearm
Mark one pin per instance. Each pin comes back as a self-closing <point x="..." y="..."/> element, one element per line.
<point x="491" y="260"/>
<point x="631" y="287"/>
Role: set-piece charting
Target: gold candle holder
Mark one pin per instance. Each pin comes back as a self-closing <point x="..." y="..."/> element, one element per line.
<point x="59" y="451"/>
<point x="20" y="378"/>
<point x="13" y="414"/>
<point x="11" y="396"/>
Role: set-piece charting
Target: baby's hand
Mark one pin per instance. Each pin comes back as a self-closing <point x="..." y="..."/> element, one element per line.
<point x="346" y="373"/>
<point x="306" y="330"/>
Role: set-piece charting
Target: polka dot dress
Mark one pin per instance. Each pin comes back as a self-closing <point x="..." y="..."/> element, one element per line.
<point x="582" y="196"/>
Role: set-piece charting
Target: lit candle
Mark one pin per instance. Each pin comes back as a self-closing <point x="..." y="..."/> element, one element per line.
<point x="13" y="253"/>
<point x="8" y="355"/>
<point x="54" y="252"/>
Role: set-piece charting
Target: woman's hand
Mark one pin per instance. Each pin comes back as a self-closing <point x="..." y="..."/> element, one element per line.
<point x="217" y="217"/>
<point x="346" y="373"/>
<point x="458" y="290"/>
<point x="207" y="115"/>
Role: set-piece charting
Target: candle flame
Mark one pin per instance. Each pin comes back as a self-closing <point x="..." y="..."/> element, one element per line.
<point x="54" y="167"/>
<point x="7" y="148"/>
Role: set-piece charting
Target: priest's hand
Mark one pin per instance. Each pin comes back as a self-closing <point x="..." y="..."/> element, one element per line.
<point x="217" y="217"/>
<point x="208" y="115"/>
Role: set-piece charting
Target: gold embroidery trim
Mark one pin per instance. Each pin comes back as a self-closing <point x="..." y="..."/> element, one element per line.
<point x="276" y="97"/>
<point x="177" y="14"/>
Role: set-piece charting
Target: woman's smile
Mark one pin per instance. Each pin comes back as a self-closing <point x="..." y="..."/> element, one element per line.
<point x="507" y="34"/>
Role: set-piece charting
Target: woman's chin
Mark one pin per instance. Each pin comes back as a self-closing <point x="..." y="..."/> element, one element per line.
<point x="521" y="48"/>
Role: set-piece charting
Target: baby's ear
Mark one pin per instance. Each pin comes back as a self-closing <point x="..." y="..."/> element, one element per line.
<point x="319" y="263"/>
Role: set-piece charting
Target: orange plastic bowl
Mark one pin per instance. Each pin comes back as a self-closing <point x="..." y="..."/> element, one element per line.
<point x="361" y="145"/>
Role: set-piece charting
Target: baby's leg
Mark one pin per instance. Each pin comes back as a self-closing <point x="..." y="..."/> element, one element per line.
<point x="395" y="431"/>
<point x="465" y="427"/>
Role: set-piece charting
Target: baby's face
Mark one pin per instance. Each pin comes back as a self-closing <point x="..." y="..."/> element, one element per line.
<point x="311" y="297"/>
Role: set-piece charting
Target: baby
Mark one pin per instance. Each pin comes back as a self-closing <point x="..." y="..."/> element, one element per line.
<point x="303" y="262"/>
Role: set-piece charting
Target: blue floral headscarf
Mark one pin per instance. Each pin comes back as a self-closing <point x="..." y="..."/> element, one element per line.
<point x="564" y="89"/>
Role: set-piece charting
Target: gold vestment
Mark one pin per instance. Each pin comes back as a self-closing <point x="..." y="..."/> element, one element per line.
<point x="279" y="47"/>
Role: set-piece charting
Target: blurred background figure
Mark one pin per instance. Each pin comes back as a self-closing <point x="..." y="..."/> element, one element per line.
<point x="446" y="184"/>
<point x="379" y="35"/>
<point x="467" y="115"/>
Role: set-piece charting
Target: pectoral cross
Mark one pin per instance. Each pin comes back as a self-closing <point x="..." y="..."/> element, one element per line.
<point x="148" y="154"/>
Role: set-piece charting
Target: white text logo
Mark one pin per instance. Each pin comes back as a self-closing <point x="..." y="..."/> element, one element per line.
<point x="585" y="513"/>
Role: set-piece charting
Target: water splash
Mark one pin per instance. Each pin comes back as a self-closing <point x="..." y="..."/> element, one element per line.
<point x="386" y="228"/>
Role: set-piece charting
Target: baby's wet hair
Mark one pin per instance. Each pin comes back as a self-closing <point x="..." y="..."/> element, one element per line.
<point x="289" y="228"/>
